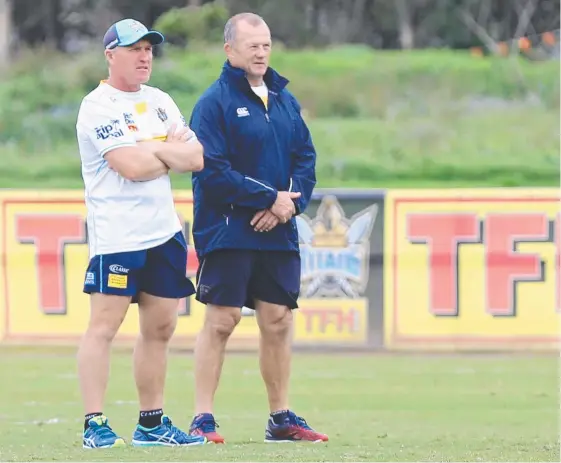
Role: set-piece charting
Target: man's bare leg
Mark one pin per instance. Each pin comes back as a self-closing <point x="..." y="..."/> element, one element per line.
<point x="158" y="319"/>
<point x="107" y="314"/>
<point x="275" y="324"/>
<point x="209" y="353"/>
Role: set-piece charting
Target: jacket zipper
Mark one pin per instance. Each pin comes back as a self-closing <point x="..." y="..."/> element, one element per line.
<point x="254" y="95"/>
<point x="266" y="107"/>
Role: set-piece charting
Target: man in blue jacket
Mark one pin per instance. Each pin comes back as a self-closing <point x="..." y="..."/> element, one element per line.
<point x="259" y="174"/>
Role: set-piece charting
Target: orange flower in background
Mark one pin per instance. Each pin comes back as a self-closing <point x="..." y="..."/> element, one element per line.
<point x="476" y="51"/>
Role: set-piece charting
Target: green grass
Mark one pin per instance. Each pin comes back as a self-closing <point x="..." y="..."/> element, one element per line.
<point x="428" y="118"/>
<point x="453" y="151"/>
<point x="374" y="408"/>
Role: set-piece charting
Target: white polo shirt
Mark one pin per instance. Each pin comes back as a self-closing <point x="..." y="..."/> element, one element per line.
<point x="123" y="215"/>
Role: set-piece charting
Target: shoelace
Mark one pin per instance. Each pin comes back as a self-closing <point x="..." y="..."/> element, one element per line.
<point x="300" y="422"/>
<point x="103" y="431"/>
<point x="207" y="426"/>
<point x="174" y="430"/>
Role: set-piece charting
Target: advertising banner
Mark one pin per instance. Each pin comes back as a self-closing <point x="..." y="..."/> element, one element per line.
<point x="45" y="254"/>
<point x="331" y="321"/>
<point x="341" y="243"/>
<point x="472" y="269"/>
<point x="3" y="308"/>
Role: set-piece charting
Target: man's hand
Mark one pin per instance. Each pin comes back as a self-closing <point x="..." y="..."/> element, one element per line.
<point x="178" y="136"/>
<point x="264" y="220"/>
<point x="283" y="207"/>
<point x="175" y="153"/>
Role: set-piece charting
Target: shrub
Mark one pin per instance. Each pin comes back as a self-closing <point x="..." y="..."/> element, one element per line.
<point x="181" y="26"/>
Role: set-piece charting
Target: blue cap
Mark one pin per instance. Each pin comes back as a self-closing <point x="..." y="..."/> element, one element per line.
<point x="127" y="32"/>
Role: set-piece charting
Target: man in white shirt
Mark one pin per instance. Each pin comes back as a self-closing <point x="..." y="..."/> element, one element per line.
<point x="130" y="135"/>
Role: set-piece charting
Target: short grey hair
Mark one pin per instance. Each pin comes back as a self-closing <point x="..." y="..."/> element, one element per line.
<point x="230" y="27"/>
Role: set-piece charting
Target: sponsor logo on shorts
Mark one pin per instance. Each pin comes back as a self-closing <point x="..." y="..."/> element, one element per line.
<point x="90" y="278"/>
<point x="119" y="269"/>
<point x="117" y="281"/>
<point x="335" y="250"/>
<point x="204" y="289"/>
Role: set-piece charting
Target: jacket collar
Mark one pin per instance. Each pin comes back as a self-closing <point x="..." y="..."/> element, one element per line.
<point x="272" y="78"/>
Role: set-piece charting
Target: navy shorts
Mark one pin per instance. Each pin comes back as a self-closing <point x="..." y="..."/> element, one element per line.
<point x="235" y="278"/>
<point x="159" y="271"/>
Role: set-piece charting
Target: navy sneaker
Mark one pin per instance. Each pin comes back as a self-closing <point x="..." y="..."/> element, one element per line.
<point x="293" y="429"/>
<point x="205" y="425"/>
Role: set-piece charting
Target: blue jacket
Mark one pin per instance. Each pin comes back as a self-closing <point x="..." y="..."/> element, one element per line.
<point x="250" y="153"/>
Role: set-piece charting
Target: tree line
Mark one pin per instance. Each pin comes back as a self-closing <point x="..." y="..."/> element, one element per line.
<point x="69" y="25"/>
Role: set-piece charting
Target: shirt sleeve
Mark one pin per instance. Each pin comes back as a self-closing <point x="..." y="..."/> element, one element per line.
<point x="103" y="126"/>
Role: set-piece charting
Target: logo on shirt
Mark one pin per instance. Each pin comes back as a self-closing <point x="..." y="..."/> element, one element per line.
<point x="130" y="122"/>
<point x="242" y="112"/>
<point x="111" y="130"/>
<point x="141" y="107"/>
<point x="335" y="251"/>
<point x="162" y="115"/>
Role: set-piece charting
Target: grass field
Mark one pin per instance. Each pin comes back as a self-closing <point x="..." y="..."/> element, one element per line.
<point x="374" y="407"/>
<point x="380" y="119"/>
<point x="447" y="150"/>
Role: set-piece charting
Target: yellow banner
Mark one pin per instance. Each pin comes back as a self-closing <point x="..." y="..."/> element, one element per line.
<point x="44" y="258"/>
<point x="472" y="269"/>
<point x="331" y="321"/>
<point x="3" y="307"/>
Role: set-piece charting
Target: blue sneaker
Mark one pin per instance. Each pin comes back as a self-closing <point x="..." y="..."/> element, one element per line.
<point x="205" y="425"/>
<point x="293" y="429"/>
<point x="99" y="435"/>
<point x="166" y="435"/>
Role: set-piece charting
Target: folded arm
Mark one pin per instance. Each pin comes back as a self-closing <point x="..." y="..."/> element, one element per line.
<point x="181" y="157"/>
<point x="181" y="151"/>
<point x="136" y="163"/>
<point x="104" y="127"/>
